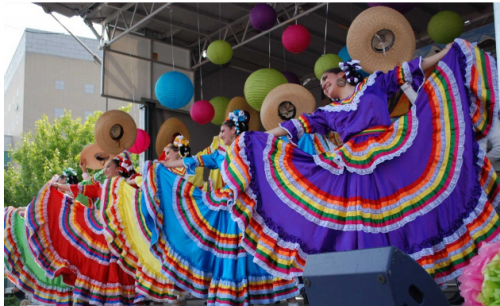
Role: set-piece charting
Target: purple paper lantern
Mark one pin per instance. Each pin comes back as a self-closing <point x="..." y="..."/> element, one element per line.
<point x="403" y="8"/>
<point x="291" y="77"/>
<point x="262" y="17"/>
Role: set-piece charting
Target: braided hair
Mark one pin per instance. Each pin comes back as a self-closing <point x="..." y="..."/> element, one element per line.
<point x="239" y="119"/>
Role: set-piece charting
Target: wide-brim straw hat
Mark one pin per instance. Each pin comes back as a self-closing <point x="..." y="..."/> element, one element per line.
<point x="380" y="20"/>
<point x="242" y="104"/>
<point x="115" y="131"/>
<point x="167" y="130"/>
<point x="95" y="157"/>
<point x="292" y="97"/>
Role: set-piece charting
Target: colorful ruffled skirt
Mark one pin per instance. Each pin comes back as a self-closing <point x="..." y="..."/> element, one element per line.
<point x="423" y="185"/>
<point x="66" y="240"/>
<point x="199" y="245"/>
<point x="129" y="240"/>
<point x="22" y="269"/>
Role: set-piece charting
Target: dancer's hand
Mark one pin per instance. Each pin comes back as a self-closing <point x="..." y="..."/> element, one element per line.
<point x="432" y="60"/>
<point x="83" y="165"/>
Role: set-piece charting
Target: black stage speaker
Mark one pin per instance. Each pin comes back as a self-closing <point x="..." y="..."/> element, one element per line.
<point x="371" y="277"/>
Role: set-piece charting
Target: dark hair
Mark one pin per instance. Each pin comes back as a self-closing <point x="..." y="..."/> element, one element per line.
<point x="353" y="72"/>
<point x="241" y="126"/>
<point x="72" y="179"/>
<point x="123" y="174"/>
<point x="184" y="151"/>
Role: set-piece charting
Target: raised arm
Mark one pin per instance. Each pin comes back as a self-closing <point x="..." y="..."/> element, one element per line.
<point x="173" y="163"/>
<point x="278" y="132"/>
<point x="432" y="60"/>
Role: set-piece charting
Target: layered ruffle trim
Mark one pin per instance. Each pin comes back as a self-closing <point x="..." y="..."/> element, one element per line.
<point x="85" y="288"/>
<point x="135" y="261"/>
<point x="32" y="282"/>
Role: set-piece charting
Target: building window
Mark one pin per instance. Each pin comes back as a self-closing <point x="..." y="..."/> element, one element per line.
<point x="87" y="114"/>
<point x="59" y="85"/>
<point x="59" y="112"/>
<point x="89" y="88"/>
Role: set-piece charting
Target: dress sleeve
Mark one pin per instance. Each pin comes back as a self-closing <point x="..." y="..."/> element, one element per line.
<point x="306" y="123"/>
<point x="207" y="161"/>
<point x="90" y="190"/>
<point x="410" y="72"/>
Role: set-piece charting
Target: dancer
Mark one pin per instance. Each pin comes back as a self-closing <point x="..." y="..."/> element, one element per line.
<point x="421" y="183"/>
<point x="121" y="227"/>
<point x="195" y="238"/>
<point x="22" y="269"/>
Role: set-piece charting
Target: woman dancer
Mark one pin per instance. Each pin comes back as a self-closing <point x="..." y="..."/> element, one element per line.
<point x="421" y="184"/>
<point x="121" y="227"/>
<point x="22" y="269"/>
<point x="197" y="242"/>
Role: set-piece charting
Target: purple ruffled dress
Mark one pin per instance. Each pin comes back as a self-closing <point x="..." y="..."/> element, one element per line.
<point x="420" y="184"/>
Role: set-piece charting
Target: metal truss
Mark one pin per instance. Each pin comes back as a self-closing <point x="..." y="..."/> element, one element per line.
<point x="133" y="23"/>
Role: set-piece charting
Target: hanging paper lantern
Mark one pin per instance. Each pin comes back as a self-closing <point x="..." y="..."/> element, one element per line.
<point x="291" y="77"/>
<point x="260" y="83"/>
<point x="220" y="104"/>
<point x="202" y="112"/>
<point x="262" y="17"/>
<point x="141" y="143"/>
<point x="326" y="62"/>
<point x="344" y="54"/>
<point x="219" y="52"/>
<point x="174" y="90"/>
<point x="403" y="8"/>
<point x="296" y="38"/>
<point x="445" y="26"/>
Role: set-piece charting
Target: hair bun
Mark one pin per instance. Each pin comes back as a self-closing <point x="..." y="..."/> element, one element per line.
<point x="352" y="71"/>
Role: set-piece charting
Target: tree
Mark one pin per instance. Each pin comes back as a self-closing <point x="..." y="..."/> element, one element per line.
<point x="46" y="152"/>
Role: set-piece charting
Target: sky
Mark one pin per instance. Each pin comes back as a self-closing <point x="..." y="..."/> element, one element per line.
<point x="18" y="16"/>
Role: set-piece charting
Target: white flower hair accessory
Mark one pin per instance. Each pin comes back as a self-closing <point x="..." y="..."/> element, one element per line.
<point x="237" y="116"/>
<point x="350" y="68"/>
<point x="179" y="141"/>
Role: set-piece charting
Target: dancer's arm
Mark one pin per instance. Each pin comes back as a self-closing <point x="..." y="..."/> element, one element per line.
<point x="172" y="163"/>
<point x="432" y="60"/>
<point x="278" y="132"/>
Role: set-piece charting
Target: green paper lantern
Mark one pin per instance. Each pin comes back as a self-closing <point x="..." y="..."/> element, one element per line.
<point x="219" y="52"/>
<point x="326" y="62"/>
<point x="220" y="104"/>
<point x="445" y="26"/>
<point x="260" y="83"/>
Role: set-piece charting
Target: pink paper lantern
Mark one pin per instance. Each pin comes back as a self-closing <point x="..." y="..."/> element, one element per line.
<point x="141" y="142"/>
<point x="202" y="112"/>
<point x="296" y="38"/>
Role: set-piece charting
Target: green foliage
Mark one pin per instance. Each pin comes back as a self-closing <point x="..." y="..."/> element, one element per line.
<point x="45" y="153"/>
<point x="11" y="301"/>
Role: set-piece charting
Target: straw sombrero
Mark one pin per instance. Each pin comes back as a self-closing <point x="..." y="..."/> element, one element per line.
<point x="241" y="103"/>
<point x="167" y="131"/>
<point x="398" y="40"/>
<point x="285" y="102"/>
<point x="95" y="157"/>
<point x="115" y="131"/>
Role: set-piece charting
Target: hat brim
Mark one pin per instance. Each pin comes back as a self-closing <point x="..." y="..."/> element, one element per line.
<point x="104" y="125"/>
<point x="362" y="31"/>
<point x="95" y="157"/>
<point x="242" y="104"/>
<point x="167" y="131"/>
<point x="298" y="95"/>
